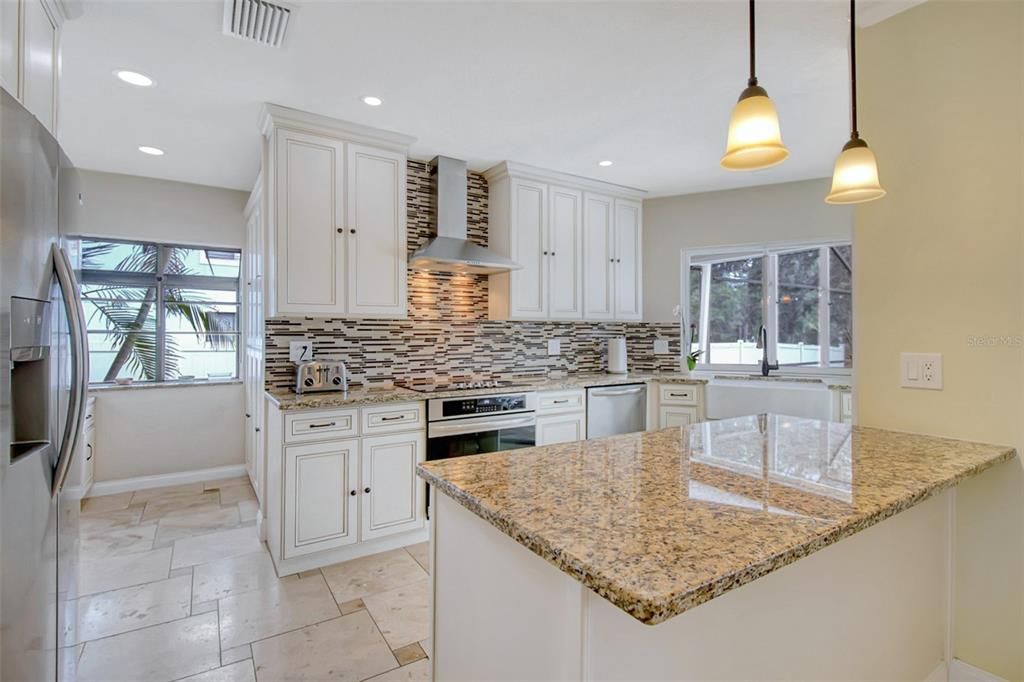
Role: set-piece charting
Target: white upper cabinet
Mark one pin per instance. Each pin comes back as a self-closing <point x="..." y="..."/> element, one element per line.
<point x="376" y="232"/>
<point x="337" y="218"/>
<point x="628" y="254"/>
<point x="10" y="45"/>
<point x="598" y="257"/>
<point x="30" y="55"/>
<point x="565" y="254"/>
<point x="577" y="240"/>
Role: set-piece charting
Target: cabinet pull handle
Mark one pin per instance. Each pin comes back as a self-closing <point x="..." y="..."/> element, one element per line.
<point x="559" y="402"/>
<point x="352" y="493"/>
<point x="393" y="419"/>
<point x="677" y="395"/>
<point x="89" y="448"/>
<point x="322" y="426"/>
<point x="366" y="489"/>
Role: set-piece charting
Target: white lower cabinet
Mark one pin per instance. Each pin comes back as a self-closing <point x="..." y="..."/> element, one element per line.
<point x="320" y="496"/>
<point x="561" y="428"/>
<point x="391" y="498"/>
<point x="672" y="415"/>
<point x="337" y="489"/>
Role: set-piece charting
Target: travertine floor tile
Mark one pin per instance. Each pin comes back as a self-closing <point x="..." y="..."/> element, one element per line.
<point x="116" y="542"/>
<point x="351" y="606"/>
<point x="410" y="653"/>
<point x="346" y="648"/>
<point x="232" y="576"/>
<point x="111" y="573"/>
<point x="226" y="482"/>
<point x="403" y="614"/>
<point x="131" y="608"/>
<point x="196" y="521"/>
<point x="281" y="607"/>
<point x="236" y="672"/>
<point x="156" y="654"/>
<point x="371" y="574"/>
<point x="203" y="607"/>
<point x="177" y="503"/>
<point x="420" y="671"/>
<point x="141" y="496"/>
<point x="237" y="493"/>
<point x="421" y="553"/>
<point x="106" y="503"/>
<point x="100" y="522"/>
<point x="213" y="546"/>
<point x="238" y="653"/>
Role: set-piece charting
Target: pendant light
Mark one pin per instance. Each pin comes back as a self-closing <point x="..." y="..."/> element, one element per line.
<point x="855" y="178"/>
<point x="755" y="140"/>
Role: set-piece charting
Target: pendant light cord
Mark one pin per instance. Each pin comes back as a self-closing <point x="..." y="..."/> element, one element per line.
<point x="854" y="133"/>
<point x="752" y="81"/>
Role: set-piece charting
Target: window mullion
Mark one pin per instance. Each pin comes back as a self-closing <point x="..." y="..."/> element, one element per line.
<point x="705" y="312"/>
<point x="161" y="311"/>
<point x="771" y="308"/>
<point x="824" y="300"/>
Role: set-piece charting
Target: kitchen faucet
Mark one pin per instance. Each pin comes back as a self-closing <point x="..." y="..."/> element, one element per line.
<point x="762" y="343"/>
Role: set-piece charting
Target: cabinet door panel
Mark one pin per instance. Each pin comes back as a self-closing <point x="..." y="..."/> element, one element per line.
<point x="10" y="41"/>
<point x="561" y="429"/>
<point x="40" y="59"/>
<point x="319" y="508"/>
<point x="628" y="286"/>
<point x="388" y="469"/>
<point x="310" y="251"/>
<point x="676" y="416"/>
<point x="529" y="242"/>
<point x="565" y="297"/>
<point x="598" y="253"/>
<point x="376" y="250"/>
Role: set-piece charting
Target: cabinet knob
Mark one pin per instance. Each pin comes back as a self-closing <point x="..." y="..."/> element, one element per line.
<point x="341" y="230"/>
<point x="545" y="253"/>
<point x="366" y="489"/>
<point x="257" y="429"/>
<point x="352" y="493"/>
<point x="552" y="253"/>
<point x="611" y="260"/>
<point x="353" y="230"/>
<point x="247" y="415"/>
<point x="618" y="260"/>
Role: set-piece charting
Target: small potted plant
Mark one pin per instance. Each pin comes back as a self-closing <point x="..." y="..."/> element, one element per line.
<point x="691" y="357"/>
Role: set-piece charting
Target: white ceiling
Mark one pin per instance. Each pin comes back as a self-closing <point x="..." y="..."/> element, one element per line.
<point x="555" y="84"/>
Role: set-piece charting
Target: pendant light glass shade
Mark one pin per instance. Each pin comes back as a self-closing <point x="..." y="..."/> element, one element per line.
<point x="755" y="139"/>
<point x="855" y="178"/>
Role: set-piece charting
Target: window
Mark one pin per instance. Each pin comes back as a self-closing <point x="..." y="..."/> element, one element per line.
<point x="802" y="294"/>
<point x="157" y="312"/>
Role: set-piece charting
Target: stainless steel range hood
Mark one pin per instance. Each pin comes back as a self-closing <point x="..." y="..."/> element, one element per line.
<point x="450" y="250"/>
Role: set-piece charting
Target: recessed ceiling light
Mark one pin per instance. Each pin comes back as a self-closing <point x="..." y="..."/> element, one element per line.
<point x="604" y="164"/>
<point x="135" y="78"/>
<point x="152" y="151"/>
<point x="372" y="101"/>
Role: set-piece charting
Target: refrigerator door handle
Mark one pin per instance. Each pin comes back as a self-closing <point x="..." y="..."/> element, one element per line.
<point x="79" y="366"/>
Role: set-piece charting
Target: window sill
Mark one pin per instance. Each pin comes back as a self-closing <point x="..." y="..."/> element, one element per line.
<point x="103" y="388"/>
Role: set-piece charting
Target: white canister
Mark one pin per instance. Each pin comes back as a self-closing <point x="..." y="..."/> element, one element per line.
<point x="617" y="355"/>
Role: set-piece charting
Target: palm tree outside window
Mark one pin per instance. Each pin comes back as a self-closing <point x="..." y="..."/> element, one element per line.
<point x="160" y="312"/>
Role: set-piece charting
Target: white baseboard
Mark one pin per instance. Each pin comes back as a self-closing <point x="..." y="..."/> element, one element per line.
<point x="965" y="672"/>
<point x="125" y="485"/>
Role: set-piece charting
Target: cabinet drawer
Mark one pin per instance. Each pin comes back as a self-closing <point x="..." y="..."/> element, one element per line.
<point x="677" y="394"/>
<point x="303" y="427"/>
<point x="388" y="418"/>
<point x="554" y="402"/>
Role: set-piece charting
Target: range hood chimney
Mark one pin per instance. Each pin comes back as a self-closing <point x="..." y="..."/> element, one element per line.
<point x="450" y="250"/>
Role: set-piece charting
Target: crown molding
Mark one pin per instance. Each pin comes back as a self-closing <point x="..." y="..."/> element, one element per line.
<point x="521" y="170"/>
<point x="276" y="116"/>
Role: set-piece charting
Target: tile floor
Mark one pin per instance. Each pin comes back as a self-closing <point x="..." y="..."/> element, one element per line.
<point x="175" y="585"/>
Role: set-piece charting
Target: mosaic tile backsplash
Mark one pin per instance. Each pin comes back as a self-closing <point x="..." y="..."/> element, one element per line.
<point x="447" y="334"/>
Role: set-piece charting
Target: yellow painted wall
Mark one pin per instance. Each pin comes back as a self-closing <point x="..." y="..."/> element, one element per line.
<point x="939" y="266"/>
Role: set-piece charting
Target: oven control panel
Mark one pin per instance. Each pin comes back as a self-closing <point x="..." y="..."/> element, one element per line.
<point x="460" y="407"/>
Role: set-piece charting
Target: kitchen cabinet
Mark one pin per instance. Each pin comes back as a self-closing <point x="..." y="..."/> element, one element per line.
<point x="578" y="242"/>
<point x="561" y="428"/>
<point x="320" y="496"/>
<point x="391" y="499"/>
<point x="39" y="62"/>
<point x="10" y="45"/>
<point x="679" y="405"/>
<point x="83" y="464"/>
<point x="252" y="358"/>
<point x="341" y="483"/>
<point x="676" y="415"/>
<point x="335" y="218"/>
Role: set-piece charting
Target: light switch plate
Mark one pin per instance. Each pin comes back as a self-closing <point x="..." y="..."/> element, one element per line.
<point x="921" y="370"/>
<point x="300" y="351"/>
<point x="554" y="346"/>
<point x="661" y="346"/>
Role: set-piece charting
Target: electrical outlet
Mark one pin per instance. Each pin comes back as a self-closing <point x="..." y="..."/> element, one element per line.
<point x="661" y="346"/>
<point x="921" y="370"/>
<point x="554" y="346"/>
<point x="300" y="351"/>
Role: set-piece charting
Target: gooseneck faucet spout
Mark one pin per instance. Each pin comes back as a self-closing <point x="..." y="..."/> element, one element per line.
<point x="762" y="343"/>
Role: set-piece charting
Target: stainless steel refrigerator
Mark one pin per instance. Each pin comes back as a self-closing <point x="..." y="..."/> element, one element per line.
<point x="43" y="383"/>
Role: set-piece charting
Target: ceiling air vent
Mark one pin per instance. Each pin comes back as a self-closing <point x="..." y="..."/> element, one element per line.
<point x="258" y="20"/>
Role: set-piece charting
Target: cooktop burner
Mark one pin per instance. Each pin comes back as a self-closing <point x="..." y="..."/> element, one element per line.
<point x="474" y="385"/>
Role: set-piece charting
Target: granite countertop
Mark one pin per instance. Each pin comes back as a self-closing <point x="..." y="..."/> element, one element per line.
<point x="373" y="395"/>
<point x="660" y="522"/>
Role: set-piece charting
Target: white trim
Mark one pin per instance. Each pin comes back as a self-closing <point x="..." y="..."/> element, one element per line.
<point x="308" y="562"/>
<point x="274" y="116"/>
<point x="965" y="672"/>
<point x="126" y="485"/>
<point x="522" y="170"/>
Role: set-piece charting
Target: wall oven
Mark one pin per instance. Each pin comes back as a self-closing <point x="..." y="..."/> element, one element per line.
<point x="475" y="425"/>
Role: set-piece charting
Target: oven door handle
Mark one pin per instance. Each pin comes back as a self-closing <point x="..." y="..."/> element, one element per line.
<point x="456" y="429"/>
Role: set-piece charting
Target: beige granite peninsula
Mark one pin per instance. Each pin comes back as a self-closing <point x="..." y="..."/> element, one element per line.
<point x="659" y="523"/>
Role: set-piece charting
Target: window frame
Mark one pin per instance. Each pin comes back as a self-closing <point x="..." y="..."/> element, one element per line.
<point x="160" y="279"/>
<point x="769" y="251"/>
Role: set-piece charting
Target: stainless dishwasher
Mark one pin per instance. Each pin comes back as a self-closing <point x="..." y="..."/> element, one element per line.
<point x="616" y="409"/>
